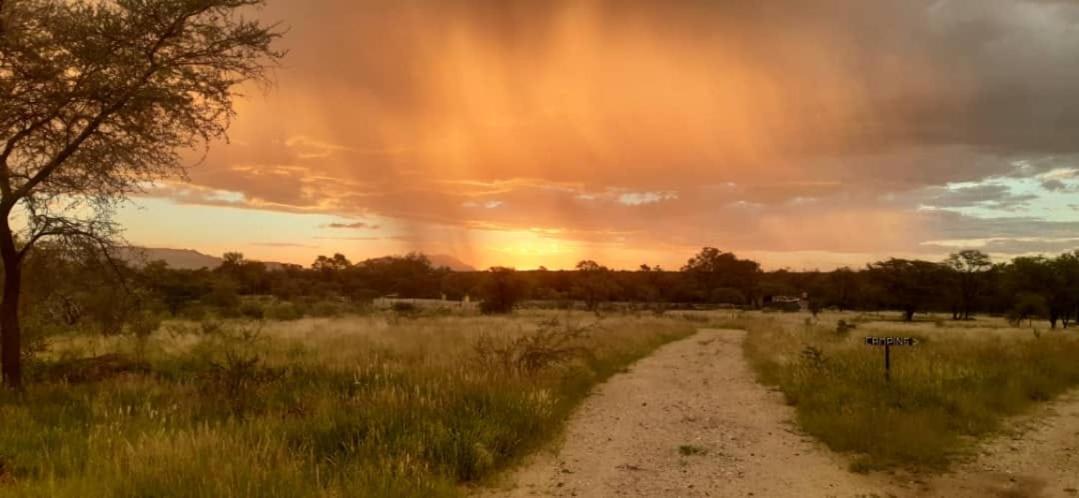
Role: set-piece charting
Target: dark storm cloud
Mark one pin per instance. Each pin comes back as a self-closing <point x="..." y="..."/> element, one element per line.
<point x="991" y="195"/>
<point x="994" y="73"/>
<point x="957" y="226"/>
<point x="544" y="113"/>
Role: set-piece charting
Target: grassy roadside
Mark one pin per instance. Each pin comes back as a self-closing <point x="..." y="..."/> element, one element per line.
<point x="364" y="406"/>
<point x="956" y="386"/>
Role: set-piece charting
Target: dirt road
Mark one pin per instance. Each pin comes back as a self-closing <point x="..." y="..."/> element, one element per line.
<point x="1037" y="457"/>
<point x="691" y="421"/>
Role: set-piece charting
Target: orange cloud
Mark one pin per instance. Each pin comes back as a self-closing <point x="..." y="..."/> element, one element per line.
<point x="498" y="128"/>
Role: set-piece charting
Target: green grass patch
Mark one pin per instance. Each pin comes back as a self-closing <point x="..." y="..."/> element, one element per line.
<point x="954" y="387"/>
<point x="361" y="406"/>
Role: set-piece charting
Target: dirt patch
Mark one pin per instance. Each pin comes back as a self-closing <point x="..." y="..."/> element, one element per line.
<point x="1038" y="456"/>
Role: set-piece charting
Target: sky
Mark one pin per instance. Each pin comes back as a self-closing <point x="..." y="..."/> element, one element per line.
<point x="802" y="133"/>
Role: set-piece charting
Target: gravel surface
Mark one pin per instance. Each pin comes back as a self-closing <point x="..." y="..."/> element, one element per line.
<point x="690" y="421"/>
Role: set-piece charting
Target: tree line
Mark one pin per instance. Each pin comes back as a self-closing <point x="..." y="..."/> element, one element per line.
<point x="64" y="290"/>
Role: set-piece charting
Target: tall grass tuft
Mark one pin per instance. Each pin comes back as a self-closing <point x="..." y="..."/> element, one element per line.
<point x="357" y="406"/>
<point x="955" y="386"/>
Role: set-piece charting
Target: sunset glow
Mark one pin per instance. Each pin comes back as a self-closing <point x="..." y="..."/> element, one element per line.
<point x="815" y="135"/>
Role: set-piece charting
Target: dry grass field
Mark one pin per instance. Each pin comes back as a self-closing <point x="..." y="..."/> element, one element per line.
<point x="955" y="386"/>
<point x="394" y="405"/>
<point x="377" y="405"/>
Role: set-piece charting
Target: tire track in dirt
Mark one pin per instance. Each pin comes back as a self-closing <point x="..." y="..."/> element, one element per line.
<point x="699" y="395"/>
<point x="1038" y="456"/>
<point x="739" y="439"/>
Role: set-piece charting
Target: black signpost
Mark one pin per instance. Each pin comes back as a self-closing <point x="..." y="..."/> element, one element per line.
<point x="888" y="342"/>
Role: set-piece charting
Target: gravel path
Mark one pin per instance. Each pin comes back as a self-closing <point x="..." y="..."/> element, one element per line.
<point x="1038" y="457"/>
<point x="690" y="421"/>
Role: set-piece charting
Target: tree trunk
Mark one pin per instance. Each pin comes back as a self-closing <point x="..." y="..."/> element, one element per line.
<point x="10" y="335"/>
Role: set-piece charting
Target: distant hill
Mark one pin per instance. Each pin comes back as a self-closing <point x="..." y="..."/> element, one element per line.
<point x="451" y="262"/>
<point x="181" y="259"/>
<point x="190" y="259"/>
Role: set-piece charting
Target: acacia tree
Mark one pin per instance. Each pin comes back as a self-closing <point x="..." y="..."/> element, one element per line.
<point x="968" y="267"/>
<point x="909" y="285"/>
<point x="595" y="284"/>
<point x="501" y="290"/>
<point x="1067" y="266"/>
<point x="714" y="269"/>
<point x="98" y="98"/>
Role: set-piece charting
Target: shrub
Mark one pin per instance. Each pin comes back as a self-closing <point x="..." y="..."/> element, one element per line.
<point x="252" y="311"/>
<point x="284" y="311"/>
<point x="550" y="345"/>
<point x="326" y="309"/>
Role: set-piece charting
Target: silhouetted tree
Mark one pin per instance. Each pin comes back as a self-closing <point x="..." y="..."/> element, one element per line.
<point x="501" y="290"/>
<point x="250" y="277"/>
<point x="1066" y="297"/>
<point x="714" y="269"/>
<point x="908" y="285"/>
<point x="595" y="284"/>
<point x="1027" y="306"/>
<point x="175" y="288"/>
<point x="842" y="288"/>
<point x="328" y="265"/>
<point x="968" y="267"/>
<point x="99" y="97"/>
<point x="1042" y="277"/>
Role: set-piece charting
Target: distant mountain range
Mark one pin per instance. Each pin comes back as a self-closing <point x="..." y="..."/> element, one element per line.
<point x="189" y="259"/>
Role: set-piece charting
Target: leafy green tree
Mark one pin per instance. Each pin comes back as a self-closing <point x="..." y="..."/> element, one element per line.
<point x="98" y="97"/>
